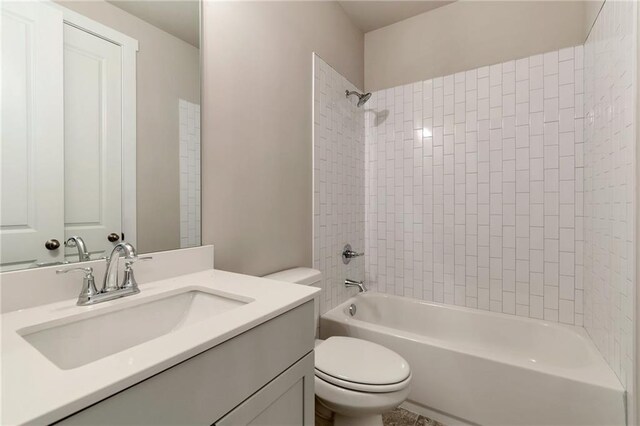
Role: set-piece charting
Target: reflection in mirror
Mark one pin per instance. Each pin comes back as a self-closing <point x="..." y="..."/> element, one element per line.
<point x="101" y="129"/>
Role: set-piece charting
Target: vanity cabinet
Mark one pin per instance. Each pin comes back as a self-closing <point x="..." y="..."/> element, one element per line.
<point x="263" y="376"/>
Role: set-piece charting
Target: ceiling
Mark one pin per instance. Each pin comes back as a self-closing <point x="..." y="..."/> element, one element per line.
<point x="180" y="18"/>
<point x="371" y="15"/>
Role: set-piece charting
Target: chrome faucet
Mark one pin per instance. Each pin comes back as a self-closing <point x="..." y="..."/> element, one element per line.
<point x="78" y="242"/>
<point x="360" y="284"/>
<point x="111" y="289"/>
<point x="110" y="282"/>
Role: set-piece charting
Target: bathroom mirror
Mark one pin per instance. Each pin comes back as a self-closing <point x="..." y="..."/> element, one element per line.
<point x="100" y="129"/>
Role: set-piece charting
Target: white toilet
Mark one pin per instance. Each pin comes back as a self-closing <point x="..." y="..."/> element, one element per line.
<point x="355" y="380"/>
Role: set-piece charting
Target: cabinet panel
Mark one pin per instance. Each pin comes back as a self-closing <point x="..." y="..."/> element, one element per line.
<point x="204" y="388"/>
<point x="288" y="400"/>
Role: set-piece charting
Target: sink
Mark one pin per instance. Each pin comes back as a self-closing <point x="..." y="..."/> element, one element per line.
<point x="92" y="337"/>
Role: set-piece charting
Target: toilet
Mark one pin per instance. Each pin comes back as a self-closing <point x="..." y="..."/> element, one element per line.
<point x="355" y="380"/>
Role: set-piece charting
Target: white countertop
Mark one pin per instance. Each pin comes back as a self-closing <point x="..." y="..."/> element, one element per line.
<point x="34" y="390"/>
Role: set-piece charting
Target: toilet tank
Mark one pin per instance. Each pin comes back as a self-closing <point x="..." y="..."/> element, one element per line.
<point x="303" y="276"/>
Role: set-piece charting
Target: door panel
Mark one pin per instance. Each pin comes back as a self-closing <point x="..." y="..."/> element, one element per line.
<point x="31" y="155"/>
<point x="93" y="140"/>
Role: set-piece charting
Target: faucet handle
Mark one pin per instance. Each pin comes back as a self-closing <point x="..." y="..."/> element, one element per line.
<point x="348" y="254"/>
<point x="129" y="281"/>
<point x="128" y="262"/>
<point x="88" y="284"/>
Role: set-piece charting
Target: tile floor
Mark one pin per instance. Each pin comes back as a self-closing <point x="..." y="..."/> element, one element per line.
<point x="402" y="417"/>
<point x="397" y="417"/>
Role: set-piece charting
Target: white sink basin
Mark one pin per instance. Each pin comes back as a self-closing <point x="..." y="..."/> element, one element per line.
<point x="92" y="336"/>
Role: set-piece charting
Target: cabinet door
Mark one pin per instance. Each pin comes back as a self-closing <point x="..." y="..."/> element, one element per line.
<point x="92" y="140"/>
<point x="31" y="154"/>
<point x="286" y="400"/>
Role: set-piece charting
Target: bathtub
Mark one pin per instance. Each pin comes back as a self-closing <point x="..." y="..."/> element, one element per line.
<point x="477" y="367"/>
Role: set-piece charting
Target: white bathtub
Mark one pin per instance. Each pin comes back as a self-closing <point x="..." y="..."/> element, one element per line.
<point x="471" y="366"/>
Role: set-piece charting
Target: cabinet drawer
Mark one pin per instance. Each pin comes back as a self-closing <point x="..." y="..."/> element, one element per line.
<point x="204" y="388"/>
<point x="288" y="400"/>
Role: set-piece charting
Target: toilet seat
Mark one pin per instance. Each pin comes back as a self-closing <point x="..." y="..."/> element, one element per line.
<point x="360" y="365"/>
<point x="362" y="387"/>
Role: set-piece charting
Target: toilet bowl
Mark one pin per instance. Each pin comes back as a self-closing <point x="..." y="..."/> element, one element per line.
<point x="355" y="380"/>
<point x="358" y="380"/>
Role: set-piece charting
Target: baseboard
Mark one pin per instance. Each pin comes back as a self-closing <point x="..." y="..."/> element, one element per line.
<point x="439" y="416"/>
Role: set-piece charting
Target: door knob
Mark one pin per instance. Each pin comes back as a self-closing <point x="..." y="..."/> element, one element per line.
<point x="52" y="244"/>
<point x="113" y="237"/>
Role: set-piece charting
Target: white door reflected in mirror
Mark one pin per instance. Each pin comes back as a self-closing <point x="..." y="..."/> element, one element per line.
<point x="62" y="137"/>
<point x="32" y="159"/>
<point x="88" y="146"/>
<point x="92" y="141"/>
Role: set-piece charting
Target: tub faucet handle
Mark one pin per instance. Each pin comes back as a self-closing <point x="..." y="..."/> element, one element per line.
<point x="360" y="284"/>
<point x="348" y="254"/>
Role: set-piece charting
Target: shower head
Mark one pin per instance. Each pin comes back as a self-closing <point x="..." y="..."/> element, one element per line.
<point x="362" y="98"/>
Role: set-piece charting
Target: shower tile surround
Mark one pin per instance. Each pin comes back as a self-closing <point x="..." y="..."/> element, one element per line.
<point x="474" y="192"/>
<point x="338" y="183"/>
<point x="190" y="226"/>
<point x="609" y="172"/>
<point x="507" y="188"/>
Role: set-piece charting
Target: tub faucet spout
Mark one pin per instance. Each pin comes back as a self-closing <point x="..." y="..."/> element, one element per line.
<point x="360" y="284"/>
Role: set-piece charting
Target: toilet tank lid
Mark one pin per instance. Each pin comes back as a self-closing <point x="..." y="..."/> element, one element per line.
<point x="304" y="276"/>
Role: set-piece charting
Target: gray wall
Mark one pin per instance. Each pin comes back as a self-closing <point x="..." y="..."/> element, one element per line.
<point x="257" y="124"/>
<point x="468" y="34"/>
<point x="591" y="11"/>
<point x="167" y="69"/>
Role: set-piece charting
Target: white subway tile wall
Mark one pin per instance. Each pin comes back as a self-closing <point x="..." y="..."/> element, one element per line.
<point x="609" y="183"/>
<point x="189" y="118"/>
<point x="474" y="190"/>
<point x="338" y="183"/>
